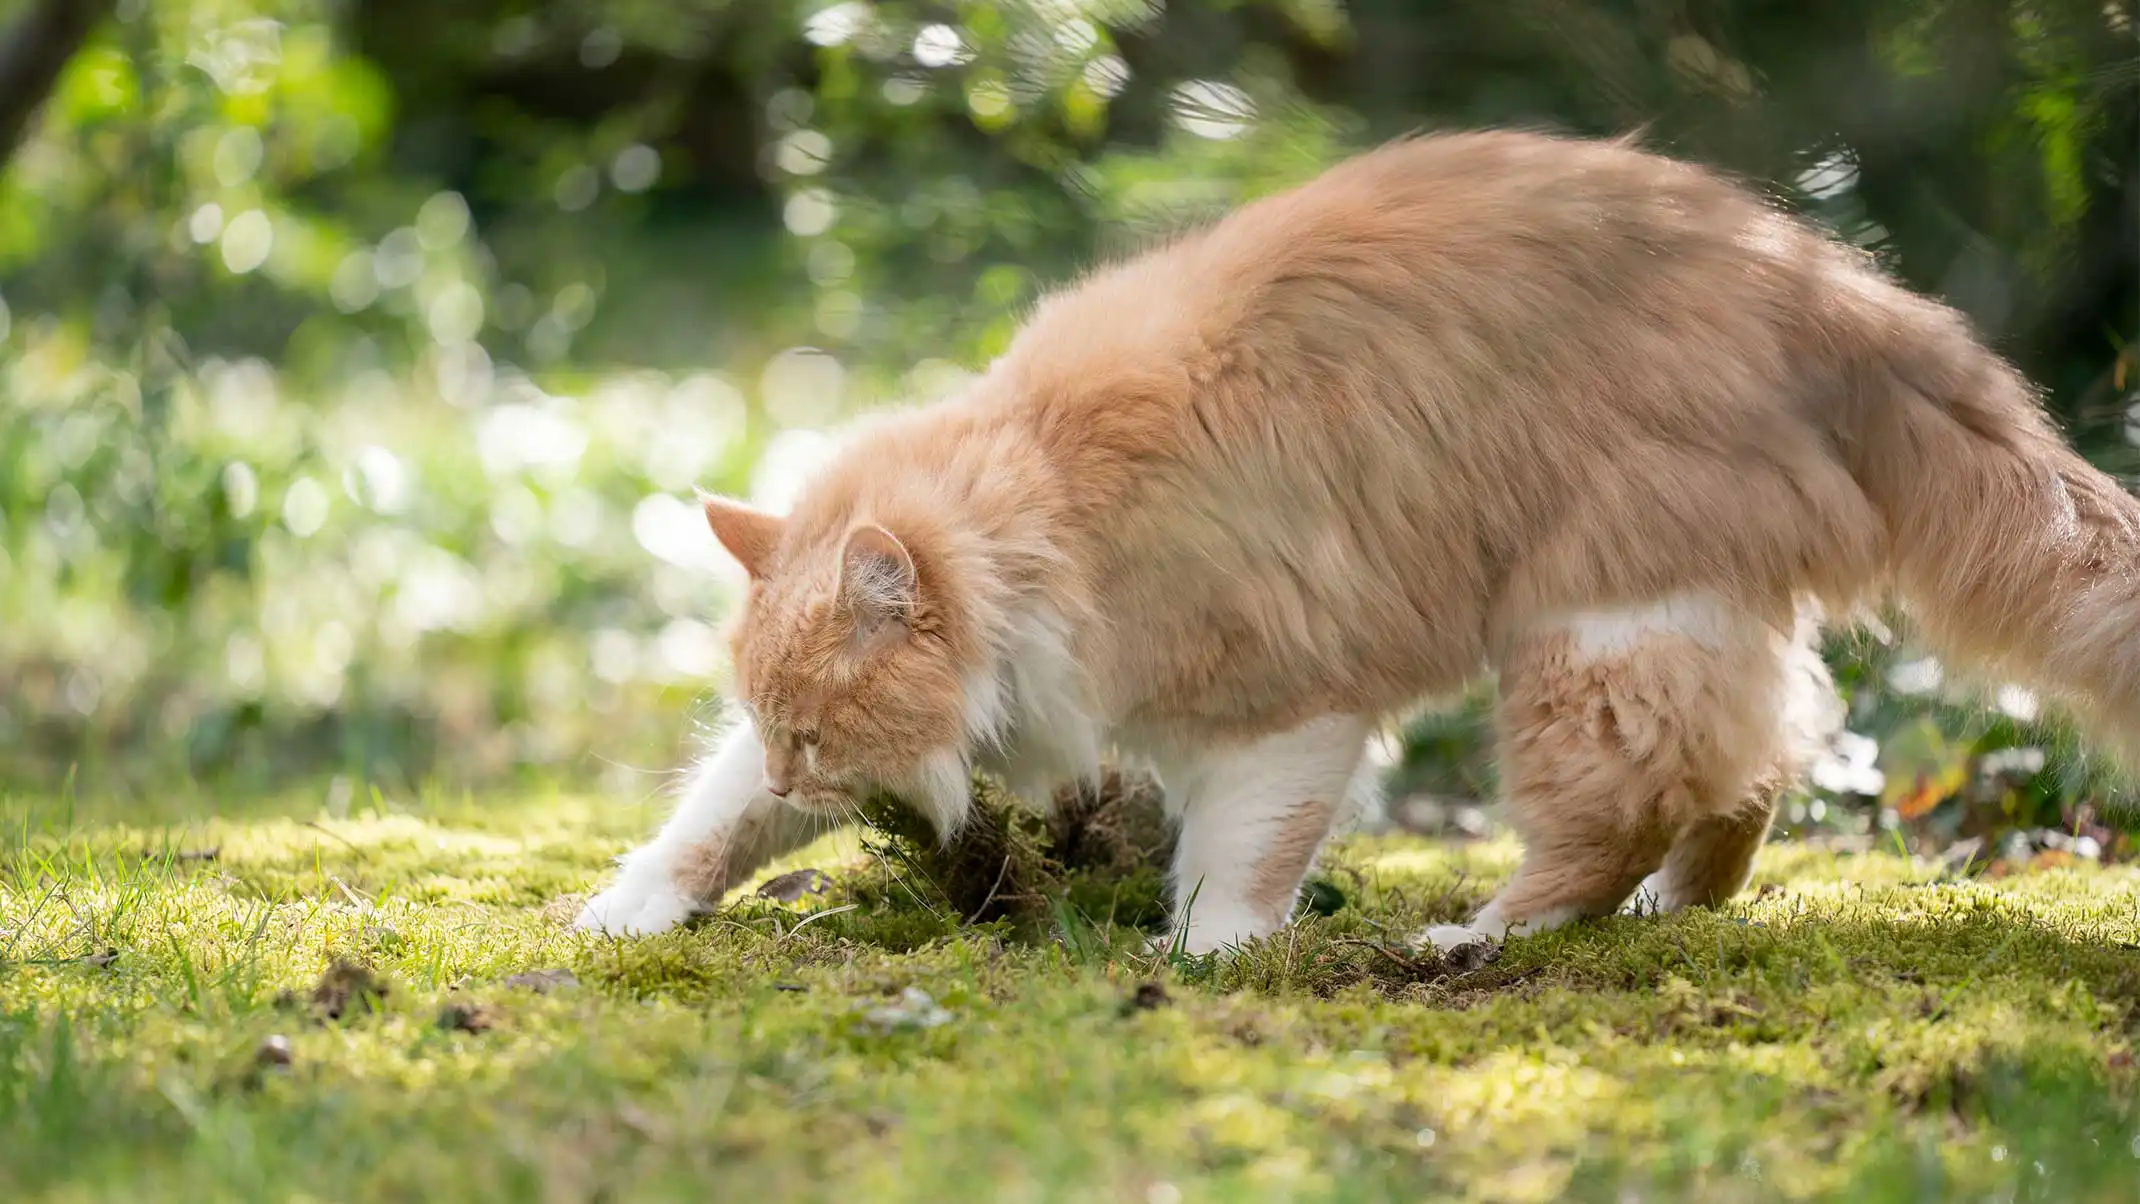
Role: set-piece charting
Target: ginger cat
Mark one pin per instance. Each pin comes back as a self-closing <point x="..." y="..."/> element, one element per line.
<point x="1592" y="419"/>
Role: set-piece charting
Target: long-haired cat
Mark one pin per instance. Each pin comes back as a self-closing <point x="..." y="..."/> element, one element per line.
<point x="1593" y="419"/>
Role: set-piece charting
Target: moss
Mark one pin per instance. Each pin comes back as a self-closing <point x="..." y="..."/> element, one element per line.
<point x="1863" y="1031"/>
<point x="1104" y="849"/>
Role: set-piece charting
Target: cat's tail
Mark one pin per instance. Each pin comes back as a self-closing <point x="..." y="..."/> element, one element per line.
<point x="2012" y="552"/>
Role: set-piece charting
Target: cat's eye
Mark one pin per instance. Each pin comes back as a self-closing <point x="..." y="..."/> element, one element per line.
<point x="807" y="739"/>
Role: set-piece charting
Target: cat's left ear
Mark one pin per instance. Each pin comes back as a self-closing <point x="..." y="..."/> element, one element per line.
<point x="749" y="534"/>
<point x="878" y="582"/>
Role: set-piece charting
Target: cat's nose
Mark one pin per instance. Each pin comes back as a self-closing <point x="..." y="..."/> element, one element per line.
<point x="776" y="789"/>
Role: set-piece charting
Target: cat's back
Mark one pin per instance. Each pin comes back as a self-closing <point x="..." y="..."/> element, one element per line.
<point x="1499" y="241"/>
<point x="1503" y="228"/>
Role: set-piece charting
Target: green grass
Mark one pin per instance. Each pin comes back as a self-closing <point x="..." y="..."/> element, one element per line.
<point x="1854" y="1030"/>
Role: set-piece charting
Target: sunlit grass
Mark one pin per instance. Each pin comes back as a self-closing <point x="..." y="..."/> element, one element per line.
<point x="1855" y="1028"/>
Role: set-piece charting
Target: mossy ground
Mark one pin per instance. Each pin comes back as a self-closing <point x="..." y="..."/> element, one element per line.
<point x="1854" y="1029"/>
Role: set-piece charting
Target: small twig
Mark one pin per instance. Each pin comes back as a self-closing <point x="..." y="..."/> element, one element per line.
<point x="317" y="826"/>
<point x="992" y="890"/>
<point x="1400" y="959"/>
<point x="357" y="899"/>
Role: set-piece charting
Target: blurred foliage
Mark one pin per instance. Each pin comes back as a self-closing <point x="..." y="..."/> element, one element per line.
<point x="359" y="355"/>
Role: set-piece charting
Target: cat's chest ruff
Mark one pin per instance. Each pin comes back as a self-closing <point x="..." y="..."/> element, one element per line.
<point x="1031" y="717"/>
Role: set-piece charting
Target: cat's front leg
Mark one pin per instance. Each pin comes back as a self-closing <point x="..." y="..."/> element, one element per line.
<point x="1252" y="818"/>
<point x="725" y="827"/>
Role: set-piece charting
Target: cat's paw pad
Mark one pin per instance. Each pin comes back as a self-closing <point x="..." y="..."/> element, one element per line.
<point x="635" y="909"/>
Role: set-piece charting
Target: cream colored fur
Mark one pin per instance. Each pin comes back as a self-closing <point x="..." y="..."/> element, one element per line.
<point x="1598" y="420"/>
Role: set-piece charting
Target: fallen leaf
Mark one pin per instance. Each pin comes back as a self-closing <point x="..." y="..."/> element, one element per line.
<point x="1924" y="768"/>
<point x="915" y="1010"/>
<point x="788" y="888"/>
<point x="1925" y="795"/>
<point x="1465" y="958"/>
<point x="1149" y="996"/>
<point x="347" y="989"/>
<point x="542" y="982"/>
<point x="467" y="1018"/>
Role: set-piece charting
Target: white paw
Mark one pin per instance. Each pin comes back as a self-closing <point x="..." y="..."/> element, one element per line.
<point x="636" y="908"/>
<point x="1463" y="948"/>
<point x="1213" y="935"/>
<point x="1649" y="899"/>
<point x="1193" y="944"/>
<point x="1449" y="937"/>
<point x="1190" y="944"/>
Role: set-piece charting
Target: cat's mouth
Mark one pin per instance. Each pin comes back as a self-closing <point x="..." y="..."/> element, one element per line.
<point x="830" y="800"/>
<point x="842" y="797"/>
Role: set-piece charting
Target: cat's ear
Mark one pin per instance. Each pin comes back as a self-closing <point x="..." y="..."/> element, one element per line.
<point x="749" y="534"/>
<point x="877" y="578"/>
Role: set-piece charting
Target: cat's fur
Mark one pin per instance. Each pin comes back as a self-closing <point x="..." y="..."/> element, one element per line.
<point x="1591" y="418"/>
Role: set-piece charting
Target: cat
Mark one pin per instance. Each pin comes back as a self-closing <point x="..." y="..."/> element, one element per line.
<point x="1597" y="421"/>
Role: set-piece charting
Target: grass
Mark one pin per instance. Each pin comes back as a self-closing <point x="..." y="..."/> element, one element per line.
<point x="1854" y="1029"/>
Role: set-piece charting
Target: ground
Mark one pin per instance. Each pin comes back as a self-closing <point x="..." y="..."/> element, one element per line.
<point x="388" y="1003"/>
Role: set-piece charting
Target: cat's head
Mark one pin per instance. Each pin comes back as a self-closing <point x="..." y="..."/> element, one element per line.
<point x="848" y="661"/>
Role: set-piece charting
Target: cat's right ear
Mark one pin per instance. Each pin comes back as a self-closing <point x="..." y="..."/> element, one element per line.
<point x="749" y="534"/>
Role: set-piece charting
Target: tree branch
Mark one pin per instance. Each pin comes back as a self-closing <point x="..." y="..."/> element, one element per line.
<point x="37" y="48"/>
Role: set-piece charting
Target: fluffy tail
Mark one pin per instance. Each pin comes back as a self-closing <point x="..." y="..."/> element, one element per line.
<point x="2008" y="548"/>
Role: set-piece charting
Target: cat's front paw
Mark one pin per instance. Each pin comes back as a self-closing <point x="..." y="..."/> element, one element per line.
<point x="1463" y="948"/>
<point x="636" y="908"/>
<point x="1445" y="937"/>
<point x="1217" y="935"/>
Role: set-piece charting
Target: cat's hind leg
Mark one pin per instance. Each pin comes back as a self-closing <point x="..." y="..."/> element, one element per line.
<point x="1252" y="818"/>
<point x="1714" y="857"/>
<point x="1627" y="737"/>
